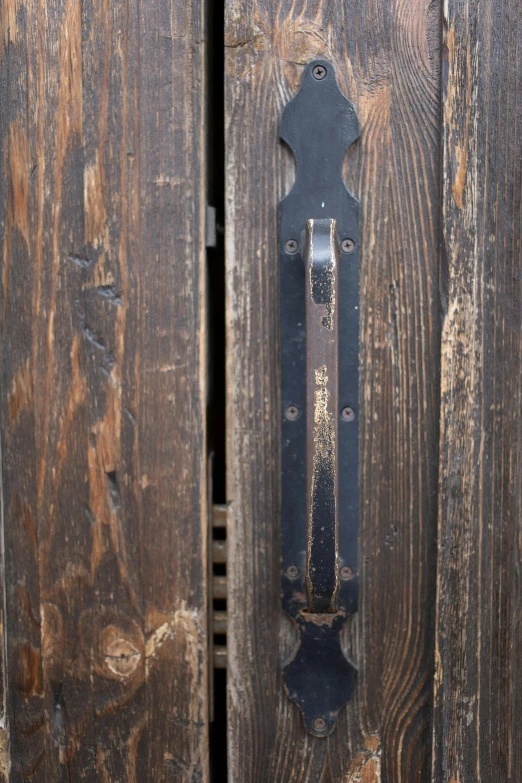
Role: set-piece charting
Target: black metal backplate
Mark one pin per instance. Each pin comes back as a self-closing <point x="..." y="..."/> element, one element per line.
<point x="319" y="124"/>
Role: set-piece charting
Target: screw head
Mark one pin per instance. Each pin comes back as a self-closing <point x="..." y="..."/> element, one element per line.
<point x="345" y="572"/>
<point x="291" y="246"/>
<point x="319" y="724"/>
<point x="292" y="572"/>
<point x="347" y="414"/>
<point x="318" y="72"/>
<point x="347" y="245"/>
<point x="292" y="412"/>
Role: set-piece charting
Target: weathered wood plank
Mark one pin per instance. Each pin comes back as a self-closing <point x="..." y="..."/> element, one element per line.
<point x="103" y="378"/>
<point x="478" y="705"/>
<point x="386" y="56"/>
<point x="18" y="133"/>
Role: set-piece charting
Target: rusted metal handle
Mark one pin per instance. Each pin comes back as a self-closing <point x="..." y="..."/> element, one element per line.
<point x="319" y="350"/>
<point x="321" y="258"/>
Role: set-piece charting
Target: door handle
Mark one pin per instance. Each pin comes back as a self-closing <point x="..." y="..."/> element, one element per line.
<point x="321" y="259"/>
<point x="319" y="349"/>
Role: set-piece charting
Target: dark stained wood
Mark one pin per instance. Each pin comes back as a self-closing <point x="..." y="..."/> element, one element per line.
<point x="20" y="568"/>
<point x="103" y="390"/>
<point x="478" y="684"/>
<point x="387" y="57"/>
<point x="104" y="655"/>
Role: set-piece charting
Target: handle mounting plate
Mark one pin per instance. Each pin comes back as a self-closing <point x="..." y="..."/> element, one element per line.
<point x="319" y="124"/>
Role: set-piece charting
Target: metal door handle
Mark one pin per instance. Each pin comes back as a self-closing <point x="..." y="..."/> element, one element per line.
<point x="319" y="330"/>
<point x="321" y="258"/>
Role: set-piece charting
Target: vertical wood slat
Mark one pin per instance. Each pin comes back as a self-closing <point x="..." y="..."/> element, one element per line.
<point x="18" y="484"/>
<point x="103" y="389"/>
<point x="478" y="683"/>
<point x="387" y="57"/>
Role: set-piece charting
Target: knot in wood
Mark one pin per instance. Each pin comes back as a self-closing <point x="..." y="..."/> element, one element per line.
<point x="122" y="657"/>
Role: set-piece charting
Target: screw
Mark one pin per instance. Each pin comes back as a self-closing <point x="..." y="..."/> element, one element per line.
<point x="319" y="724"/>
<point x="347" y="245"/>
<point x="318" y="72"/>
<point x="346" y="573"/>
<point x="291" y="246"/>
<point x="292" y="412"/>
<point x="347" y="414"/>
<point x="292" y="572"/>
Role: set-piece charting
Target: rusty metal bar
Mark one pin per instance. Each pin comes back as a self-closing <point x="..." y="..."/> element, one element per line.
<point x="219" y="587"/>
<point x="219" y="516"/>
<point x="220" y="657"/>
<point x="219" y="551"/>
<point x="219" y="622"/>
<point x="321" y="257"/>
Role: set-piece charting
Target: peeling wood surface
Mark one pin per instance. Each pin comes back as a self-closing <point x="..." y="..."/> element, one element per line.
<point x="386" y="55"/>
<point x="478" y="684"/>
<point x="103" y="390"/>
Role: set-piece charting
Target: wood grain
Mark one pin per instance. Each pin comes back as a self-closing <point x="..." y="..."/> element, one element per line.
<point x="387" y="58"/>
<point x="478" y="686"/>
<point x="103" y="389"/>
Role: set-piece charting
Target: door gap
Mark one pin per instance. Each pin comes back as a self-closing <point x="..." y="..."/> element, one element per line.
<point x="216" y="411"/>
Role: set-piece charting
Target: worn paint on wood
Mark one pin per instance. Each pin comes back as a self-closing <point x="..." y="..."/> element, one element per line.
<point x="103" y="390"/>
<point x="386" y="56"/>
<point x="478" y="684"/>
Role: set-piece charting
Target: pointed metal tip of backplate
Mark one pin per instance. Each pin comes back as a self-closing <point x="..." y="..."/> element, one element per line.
<point x="315" y="104"/>
<point x="319" y="679"/>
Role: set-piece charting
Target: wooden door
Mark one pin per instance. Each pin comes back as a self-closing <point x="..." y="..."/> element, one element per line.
<point x="437" y="638"/>
<point x="104" y="391"/>
<point x="142" y="629"/>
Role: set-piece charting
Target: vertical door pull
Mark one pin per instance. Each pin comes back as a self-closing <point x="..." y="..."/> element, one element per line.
<point x="321" y="258"/>
<point x="319" y="330"/>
